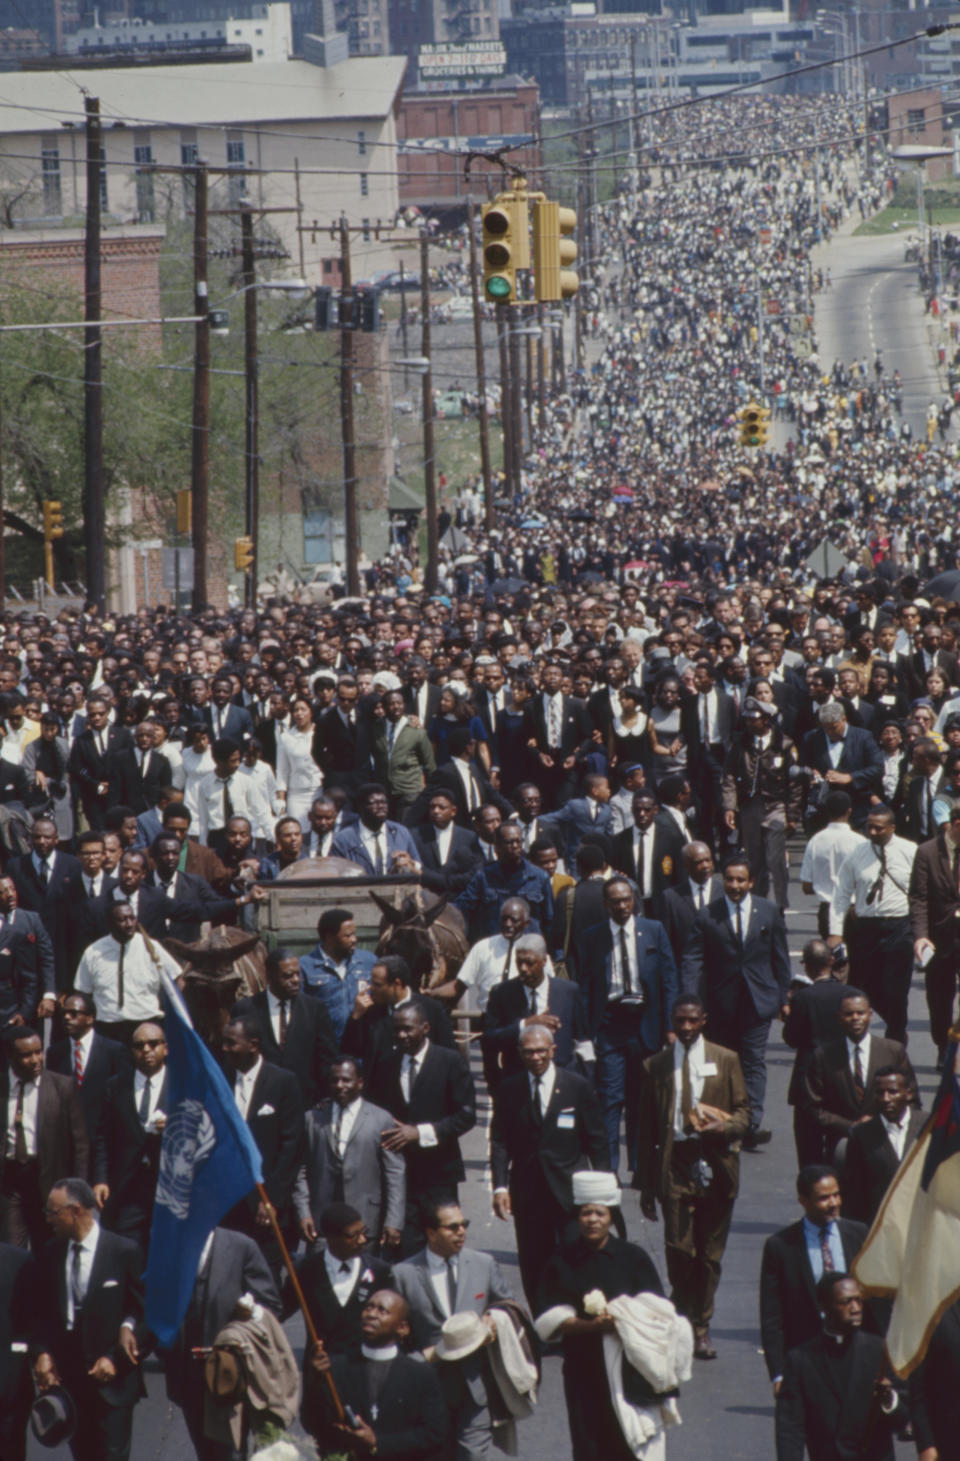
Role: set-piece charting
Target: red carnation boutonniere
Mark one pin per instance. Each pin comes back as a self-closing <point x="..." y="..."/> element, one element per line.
<point x="31" y="938"/>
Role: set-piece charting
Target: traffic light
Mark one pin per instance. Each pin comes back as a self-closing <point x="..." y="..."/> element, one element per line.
<point x="366" y="310"/>
<point x="754" y="425"/>
<point x="553" y="251"/>
<point x="52" y="520"/>
<point x="506" y="247"/>
<point x="243" y="554"/>
<point x="184" y="510"/>
<point x="328" y="309"/>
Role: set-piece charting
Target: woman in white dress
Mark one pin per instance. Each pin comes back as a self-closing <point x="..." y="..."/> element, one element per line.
<point x="299" y="778"/>
<point x="196" y="760"/>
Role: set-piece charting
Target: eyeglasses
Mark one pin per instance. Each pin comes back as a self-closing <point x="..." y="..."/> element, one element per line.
<point x="460" y="1227"/>
<point x="147" y="1044"/>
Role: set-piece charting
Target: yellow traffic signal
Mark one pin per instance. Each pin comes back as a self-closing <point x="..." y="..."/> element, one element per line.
<point x="184" y="510"/>
<point x="243" y="554"/>
<point x="506" y="247"/>
<point x="553" y="251"/>
<point x="754" y="425"/>
<point x="52" y="520"/>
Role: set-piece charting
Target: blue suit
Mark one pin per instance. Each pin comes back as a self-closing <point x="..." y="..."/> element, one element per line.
<point x="861" y="759"/>
<point x="571" y="822"/>
<point x="625" y="1036"/>
<point x="320" y="978"/>
<point x="149" y="826"/>
<point x="348" y="843"/>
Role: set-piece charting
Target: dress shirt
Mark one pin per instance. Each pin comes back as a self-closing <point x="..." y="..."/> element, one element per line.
<point x="409" y="1070"/>
<point x="209" y="799"/>
<point x="835" y="751"/>
<point x="696" y="1063"/>
<point x="49" y="862"/>
<point x="443" y="838"/>
<point x="156" y="1081"/>
<point x="438" y="1269"/>
<point x="84" y="1045"/>
<point x="707" y="716"/>
<point x="891" y="774"/>
<point x="812" y="1236"/>
<point x="97" y="975"/>
<point x="700" y="893"/>
<point x="31" y="1097"/>
<point x="644" y="874"/>
<point x="859" y="875"/>
<point x="422" y="699"/>
<point x="88" y="1250"/>
<point x="547" y="1083"/>
<point x="745" y="906"/>
<point x="897" y="1133"/>
<point x="93" y="886"/>
<point x="553" y="718"/>
<point x="470" y="787"/>
<point x="681" y="822"/>
<point x="483" y="967"/>
<point x="346" y="1116"/>
<point x="273" y="1007"/>
<point x="342" y="1282"/>
<point x="371" y="841"/>
<point x="320" y="844"/>
<point x="864" y="1055"/>
<point x="824" y="854"/>
<point x="538" y="999"/>
<point x="618" y="986"/>
<point x="243" y="1084"/>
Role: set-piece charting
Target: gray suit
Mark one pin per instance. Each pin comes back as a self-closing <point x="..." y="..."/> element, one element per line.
<point x="370" y="1178"/>
<point x="480" y="1286"/>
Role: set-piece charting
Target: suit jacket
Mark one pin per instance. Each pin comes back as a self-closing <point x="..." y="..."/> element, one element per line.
<point x="656" y="970"/>
<point x="668" y="845"/>
<point x="934" y="898"/>
<point x="679" y="911"/>
<point x="196" y="902"/>
<point x="339" y="1324"/>
<point x="18" y="1289"/>
<point x="862" y="759"/>
<point x="130" y="787"/>
<point x="122" y="1148"/>
<point x="348" y="844"/>
<point x="724" y="1089"/>
<point x="569" y="824"/>
<point x="448" y="778"/>
<point x="107" y="1058"/>
<point x="716" y="968"/>
<point x="789" y="1314"/>
<point x="237" y="726"/>
<point x="480" y="1286"/>
<point x="507" y="1007"/>
<point x="114" y="1294"/>
<point x="412" y="761"/>
<point x="934" y="1392"/>
<point x="442" y="1095"/>
<point x="310" y="1046"/>
<point x="576" y="729"/>
<point x="829" y="1093"/>
<point x="52" y="903"/>
<point x="916" y="670"/>
<point x="911" y="816"/>
<point x="463" y="858"/>
<point x="370" y="1178"/>
<point x="537" y="1159"/>
<point x="89" y="769"/>
<point x="411" y="1422"/>
<point x="371" y="1037"/>
<point x="727" y="715"/>
<point x="335" y="744"/>
<point x="826" y="1409"/>
<point x="871" y="1164"/>
<point x="275" y="1119"/>
<point x="433" y="702"/>
<point x="21" y="956"/>
<point x="813" y="1018"/>
<point x="63" y="1148"/>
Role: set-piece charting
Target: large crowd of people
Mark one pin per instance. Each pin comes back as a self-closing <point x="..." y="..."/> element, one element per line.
<point x="599" y="744"/>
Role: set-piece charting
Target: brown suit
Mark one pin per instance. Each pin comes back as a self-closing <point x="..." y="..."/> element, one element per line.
<point x="935" y="914"/>
<point x="63" y="1150"/>
<point x="829" y="1092"/>
<point x="696" y="1222"/>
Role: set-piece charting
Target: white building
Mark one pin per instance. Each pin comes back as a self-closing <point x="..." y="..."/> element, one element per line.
<point x="268" y="33"/>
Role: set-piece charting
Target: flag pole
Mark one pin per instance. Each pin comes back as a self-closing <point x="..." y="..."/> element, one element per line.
<point x="312" y="1334"/>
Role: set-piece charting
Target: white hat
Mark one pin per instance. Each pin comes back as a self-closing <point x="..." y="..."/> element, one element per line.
<point x="599" y="1187"/>
<point x="461" y="1335"/>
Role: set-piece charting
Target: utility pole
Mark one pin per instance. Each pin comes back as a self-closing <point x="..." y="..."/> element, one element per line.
<point x="763" y="383"/>
<point x="94" y="522"/>
<point x="200" y="452"/>
<point x="351" y="532"/>
<point x="516" y="395"/>
<point x="251" y="367"/>
<point x="541" y="371"/>
<point x="403" y="321"/>
<point x="481" y="369"/>
<point x="429" y="465"/>
<point x="506" y="414"/>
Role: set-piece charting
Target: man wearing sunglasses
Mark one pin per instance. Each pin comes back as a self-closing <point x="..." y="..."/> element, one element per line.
<point x="126" y="1156"/>
<point x="935" y="923"/>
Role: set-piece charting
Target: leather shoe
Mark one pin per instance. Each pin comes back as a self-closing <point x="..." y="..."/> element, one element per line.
<point x="702" y="1348"/>
<point x="754" y="1139"/>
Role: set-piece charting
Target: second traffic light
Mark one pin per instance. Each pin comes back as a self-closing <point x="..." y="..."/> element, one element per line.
<point x="553" y="251"/>
<point x="754" y="427"/>
<point x="52" y="520"/>
<point x="506" y="247"/>
<point x="243" y="554"/>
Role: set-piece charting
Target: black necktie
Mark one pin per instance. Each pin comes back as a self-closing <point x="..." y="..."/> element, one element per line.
<point x="858" y="1082"/>
<point x="451" y="1286"/>
<point x="227" y="803"/>
<point x="506" y="963"/>
<point x="739" y="913"/>
<point x="625" y="961"/>
<point x="283" y="1023"/>
<point x="144" y="1111"/>
<point x="876" y="892"/>
<point x="120" y="978"/>
<point x="537" y="1108"/>
<point x="76" y="1282"/>
<point x="44" y="873"/>
<point x="20" y="1155"/>
<point x="929" y="827"/>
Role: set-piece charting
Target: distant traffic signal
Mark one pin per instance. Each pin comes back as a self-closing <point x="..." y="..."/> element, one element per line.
<point x="243" y="554"/>
<point x="52" y="520"/>
<point x="184" y="510"/>
<point x="754" y="425"/>
<point x="506" y="247"/>
<point x="553" y="251"/>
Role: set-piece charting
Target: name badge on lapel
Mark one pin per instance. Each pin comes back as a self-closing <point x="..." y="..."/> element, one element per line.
<point x="566" y="1120"/>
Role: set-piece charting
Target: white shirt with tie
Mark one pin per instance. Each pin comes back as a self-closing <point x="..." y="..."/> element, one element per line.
<point x="618" y="985"/>
<point x="373" y="841"/>
<point x="139" y="1083"/>
<point x="243" y="1084"/>
<point x="93" y="887"/>
<point x="343" y="1274"/>
<point x="697" y="1067"/>
<point x="864" y="1048"/>
<point x="644" y="839"/>
<point x="84" y="1046"/>
<point x="700" y="893"/>
<point x="444" y="836"/>
<point x="470" y="788"/>
<point x="320" y="844"/>
<point x="344" y="1119"/>
<point x="897" y="1133"/>
<point x="409" y="1071"/>
<point x="273" y="1006"/>
<point x="547" y="1083"/>
<point x="439" y="1269"/>
<point x="745" y="905"/>
<point x="80" y="1278"/>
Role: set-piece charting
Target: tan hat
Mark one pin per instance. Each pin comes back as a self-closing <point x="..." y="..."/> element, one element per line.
<point x="600" y="1187"/>
<point x="462" y="1334"/>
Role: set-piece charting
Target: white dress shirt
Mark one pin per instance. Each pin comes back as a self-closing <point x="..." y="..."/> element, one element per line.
<point x="864" y="1048"/>
<point x="697" y="1062"/>
<point x="346" y="1116"/>
<point x="745" y="905"/>
<point x="644" y="873"/>
<point x="483" y="967"/>
<point x="681" y="822"/>
<point x="444" y="836"/>
<point x="88" y="1250"/>
<point x="409" y="1070"/>
<point x="824" y="854"/>
<point x="319" y="844"/>
<point x="343" y="1274"/>
<point x="97" y="975"/>
<point x="243" y="1084"/>
<point x="835" y="751"/>
<point x="273" y="1006"/>
<point x="84" y="1045"/>
<point x="209" y="798"/>
<point x="371" y="841"/>
<point x="858" y="880"/>
<point x="438" y="1268"/>
<point x="547" y="1083"/>
<point x="156" y="1082"/>
<point x="31" y="1097"/>
<point x="470" y="788"/>
<point x="93" y="886"/>
<point x="618" y="985"/>
<point x="897" y="1133"/>
<point x="700" y="893"/>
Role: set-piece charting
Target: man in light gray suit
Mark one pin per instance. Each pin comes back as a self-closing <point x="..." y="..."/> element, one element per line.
<point x="345" y="1161"/>
<point x="231" y="1264"/>
<point x="445" y="1278"/>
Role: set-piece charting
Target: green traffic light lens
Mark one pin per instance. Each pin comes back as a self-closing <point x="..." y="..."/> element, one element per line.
<point x="499" y="287"/>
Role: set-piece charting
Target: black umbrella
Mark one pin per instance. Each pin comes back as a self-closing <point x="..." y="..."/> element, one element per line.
<point x="944" y="586"/>
<point x="590" y="577"/>
<point x="580" y="515"/>
<point x="508" y="585"/>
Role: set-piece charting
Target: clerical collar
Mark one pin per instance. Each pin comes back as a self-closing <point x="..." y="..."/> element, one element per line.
<point x="385" y="1352"/>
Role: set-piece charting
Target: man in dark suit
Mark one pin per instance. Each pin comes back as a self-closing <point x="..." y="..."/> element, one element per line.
<point x="628" y="982"/>
<point x="335" y="739"/>
<point x="934" y="1392"/>
<point x="139" y="772"/>
<point x="813" y="1016"/>
<point x="916" y="819"/>
<point x="26" y="960"/>
<point x="269" y="1100"/>
<point x="90" y="1330"/>
<point x="368" y="1032"/>
<point x="449" y="855"/>
<point x="344" y="1160"/>
<point x="126" y="1152"/>
<point x="699" y="886"/>
<point x="650" y="852"/>
<point x="533" y="999"/>
<point x="48" y="883"/>
<point x="464" y="779"/>
<point x="429" y="1092"/>
<point x="793" y="1264"/>
<point x="930" y="656"/>
<point x="856" y="767"/>
<point x="935" y="923"/>
<point x="420" y="697"/>
<point x="396" y="1402"/>
<point x="42" y="1134"/>
<point x="91" y="761"/>
<point x="839" y="1085"/>
<point x="174" y="904"/>
<point x="338" y="1278"/>
<point x="559" y="733"/>
<point x="296" y="1031"/>
<point x="737" y="961"/>
<point x="231" y="1265"/>
<point x="603" y="705"/>
<point x="89" y="1059"/>
<point x="223" y="719"/>
<point x="374" y="843"/>
<point x="837" y="1398"/>
<point x="547" y="1124"/>
<point x="875" y="1148"/>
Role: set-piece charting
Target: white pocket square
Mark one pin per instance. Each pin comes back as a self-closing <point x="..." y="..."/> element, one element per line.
<point x="111" y="1283"/>
<point x="267" y="1110"/>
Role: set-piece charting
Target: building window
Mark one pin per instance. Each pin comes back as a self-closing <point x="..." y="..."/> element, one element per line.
<point x="362" y="143"/>
<point x="916" y="120"/>
<point x="188" y="158"/>
<point x="317" y="535"/>
<point x="364" y="185"/>
<point x="50" y="167"/>
<point x="146" y="203"/>
<point x="236" y="158"/>
<point x="328" y="266"/>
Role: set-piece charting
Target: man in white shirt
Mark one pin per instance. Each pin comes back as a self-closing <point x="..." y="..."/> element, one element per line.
<point x="223" y="792"/>
<point x="338" y="1279"/>
<point x="876" y="1148"/>
<point x="122" y="972"/>
<point x="825" y="852"/>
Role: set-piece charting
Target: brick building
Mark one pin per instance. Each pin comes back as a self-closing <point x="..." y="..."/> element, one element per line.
<point x="915" y="118"/>
<point x="506" y="112"/>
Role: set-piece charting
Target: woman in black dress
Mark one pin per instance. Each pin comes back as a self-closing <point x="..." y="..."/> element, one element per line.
<point x="596" y="1259"/>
